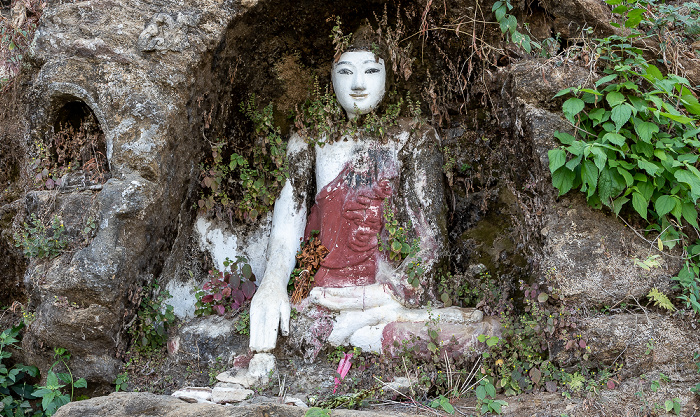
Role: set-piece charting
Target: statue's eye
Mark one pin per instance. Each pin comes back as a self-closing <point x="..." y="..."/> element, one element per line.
<point x="344" y="71"/>
<point x="371" y="70"/>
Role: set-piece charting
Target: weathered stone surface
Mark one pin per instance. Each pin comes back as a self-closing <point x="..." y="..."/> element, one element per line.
<point x="221" y="395"/>
<point x="211" y="338"/>
<point x="592" y="256"/>
<point x="122" y="404"/>
<point x="626" y="339"/>
<point x="131" y="64"/>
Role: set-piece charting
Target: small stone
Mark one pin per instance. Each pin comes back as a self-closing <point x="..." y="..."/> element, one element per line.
<point x="221" y="395"/>
<point x="194" y="394"/>
<point x="228" y="385"/>
<point x="289" y="400"/>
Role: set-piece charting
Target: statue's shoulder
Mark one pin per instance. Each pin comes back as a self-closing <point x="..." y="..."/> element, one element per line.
<point x="297" y="144"/>
<point x="412" y="135"/>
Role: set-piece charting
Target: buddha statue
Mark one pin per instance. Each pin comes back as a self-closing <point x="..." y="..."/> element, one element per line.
<point x="356" y="179"/>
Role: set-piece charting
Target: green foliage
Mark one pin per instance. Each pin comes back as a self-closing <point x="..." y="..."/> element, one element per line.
<point x="443" y="403"/>
<point x="696" y="388"/>
<point x="688" y="279"/>
<point x="150" y="330"/>
<point x="242" y="325"/>
<point x="52" y="397"/>
<point x="635" y="144"/>
<point x="395" y="240"/>
<point x="317" y="412"/>
<point x="15" y="392"/>
<point x="256" y="178"/>
<point x="509" y="26"/>
<point x="636" y="139"/>
<point x="121" y="381"/>
<point x="673" y="405"/>
<point x="227" y="290"/>
<point x="486" y="397"/>
<point x="660" y="299"/>
<point x="37" y="241"/>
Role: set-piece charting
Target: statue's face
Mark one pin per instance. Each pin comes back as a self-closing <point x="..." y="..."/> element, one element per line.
<point x="358" y="81"/>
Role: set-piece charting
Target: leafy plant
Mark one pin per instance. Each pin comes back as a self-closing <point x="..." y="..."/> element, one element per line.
<point x="52" y="397"/>
<point x="486" y="397"/>
<point x="15" y="392"/>
<point x="121" y="381"/>
<point x="509" y="26"/>
<point x="150" y="330"/>
<point x="635" y="144"/>
<point x="443" y="403"/>
<point x="37" y="241"/>
<point x="660" y="299"/>
<point x="256" y="177"/>
<point x="227" y="290"/>
<point x="673" y="405"/>
<point x="394" y="240"/>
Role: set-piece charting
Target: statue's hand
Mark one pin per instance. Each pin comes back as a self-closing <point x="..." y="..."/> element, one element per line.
<point x="269" y="312"/>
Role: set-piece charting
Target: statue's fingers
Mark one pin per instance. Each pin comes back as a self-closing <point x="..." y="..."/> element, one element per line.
<point x="285" y="312"/>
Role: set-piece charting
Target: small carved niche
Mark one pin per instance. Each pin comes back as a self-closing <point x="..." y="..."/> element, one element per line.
<point x="74" y="152"/>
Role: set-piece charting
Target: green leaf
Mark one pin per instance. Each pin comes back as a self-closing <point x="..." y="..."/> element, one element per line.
<point x="599" y="157"/>
<point x="572" y="107"/>
<point x="640" y="204"/>
<point x="649" y="167"/>
<point x="664" y="204"/>
<point x="80" y="383"/>
<point x="563" y="180"/>
<point x="677" y="118"/>
<point x="634" y="17"/>
<point x="615" y="98"/>
<point x="610" y="185"/>
<point x="564" y="137"/>
<point x="557" y="159"/>
<point x="605" y="79"/>
<point x="691" y="179"/>
<point x="653" y="72"/>
<point x="562" y="92"/>
<point x="491" y="390"/>
<point x="614" y="138"/>
<point x="645" y="130"/>
<point x="618" y="203"/>
<point x="621" y="114"/>
<point x="690" y="214"/>
<point x="480" y="392"/>
<point x="629" y="180"/>
<point x="589" y="175"/>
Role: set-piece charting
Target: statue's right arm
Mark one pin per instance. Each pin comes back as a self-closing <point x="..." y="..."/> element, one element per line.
<point x="270" y="308"/>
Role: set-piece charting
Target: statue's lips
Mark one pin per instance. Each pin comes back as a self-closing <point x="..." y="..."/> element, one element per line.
<point x="359" y="96"/>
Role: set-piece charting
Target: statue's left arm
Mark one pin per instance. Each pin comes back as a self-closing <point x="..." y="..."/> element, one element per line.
<point x="422" y="200"/>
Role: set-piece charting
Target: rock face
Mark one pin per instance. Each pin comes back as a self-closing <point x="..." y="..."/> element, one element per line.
<point x="122" y="404"/>
<point x="132" y="64"/>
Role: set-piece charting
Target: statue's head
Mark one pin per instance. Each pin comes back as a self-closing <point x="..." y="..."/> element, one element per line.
<point x="359" y="77"/>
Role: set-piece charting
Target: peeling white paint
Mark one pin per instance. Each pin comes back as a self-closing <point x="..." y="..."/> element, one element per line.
<point x="221" y="242"/>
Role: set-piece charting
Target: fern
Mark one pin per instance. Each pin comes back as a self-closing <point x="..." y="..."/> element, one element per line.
<point x="660" y="299"/>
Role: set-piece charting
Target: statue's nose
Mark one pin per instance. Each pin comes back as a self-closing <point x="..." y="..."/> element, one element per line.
<point x="358" y="81"/>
